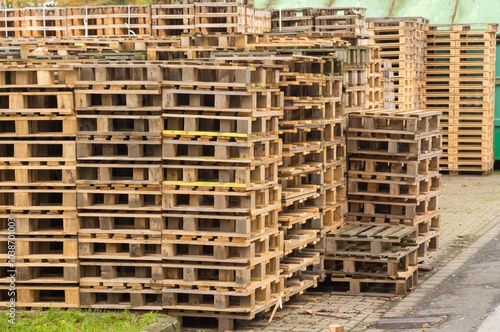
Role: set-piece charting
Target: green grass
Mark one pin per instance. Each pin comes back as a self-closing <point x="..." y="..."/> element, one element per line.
<point x="56" y="320"/>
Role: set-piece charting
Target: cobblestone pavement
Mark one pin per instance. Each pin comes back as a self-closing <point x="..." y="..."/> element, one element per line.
<point x="468" y="207"/>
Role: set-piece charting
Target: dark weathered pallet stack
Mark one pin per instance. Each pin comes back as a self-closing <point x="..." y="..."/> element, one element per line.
<point x="393" y="186"/>
<point x="221" y="245"/>
<point x="312" y="174"/>
<point x="460" y="71"/>
<point x="37" y="188"/>
<point x="119" y="155"/>
<point x="402" y="40"/>
<point x="348" y="23"/>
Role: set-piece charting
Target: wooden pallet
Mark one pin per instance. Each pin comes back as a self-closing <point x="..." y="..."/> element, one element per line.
<point x="46" y="296"/>
<point x="356" y="267"/>
<point x="118" y="150"/>
<point x="108" y="298"/>
<point x="243" y="126"/>
<point x="41" y="223"/>
<point x="298" y="239"/>
<point x="405" y="282"/>
<point x="119" y="175"/>
<point x="45" y="22"/>
<point x="172" y="19"/>
<point x="43" y="273"/>
<point x="38" y="126"/>
<point x="384" y="187"/>
<point x="227" y="249"/>
<point x="126" y="199"/>
<point x="146" y="127"/>
<point x="39" y="199"/>
<point x="119" y="248"/>
<point x="36" y="76"/>
<point x="177" y="148"/>
<point x="50" y="248"/>
<point x="121" y="275"/>
<point x="292" y="20"/>
<point x="47" y="176"/>
<point x="34" y="102"/>
<point x="380" y="210"/>
<point x="224" y="101"/>
<point x="217" y="301"/>
<point x="119" y="223"/>
<point x="220" y="75"/>
<point x="118" y="101"/>
<point x="408" y="146"/>
<point x="86" y="21"/>
<point x="192" y="223"/>
<point x="243" y="279"/>
<point x="220" y="17"/>
<point x="13" y="23"/>
<point x="408" y="171"/>
<point x="237" y="176"/>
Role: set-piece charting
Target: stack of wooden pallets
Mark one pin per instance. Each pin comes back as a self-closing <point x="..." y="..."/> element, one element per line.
<point x="215" y="16"/>
<point x="172" y="19"/>
<point x="393" y="186"/>
<point x="402" y="40"/>
<point x="13" y="23"/>
<point x="109" y="21"/>
<point x="375" y="86"/>
<point x="37" y="174"/>
<point x="312" y="174"/>
<point x="221" y="198"/>
<point x="347" y="23"/>
<point x="44" y="22"/>
<point x="119" y="155"/>
<point x="460" y="71"/>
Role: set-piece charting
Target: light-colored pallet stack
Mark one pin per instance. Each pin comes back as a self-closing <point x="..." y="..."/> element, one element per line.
<point x="119" y="156"/>
<point x="86" y="21"/>
<point x="460" y="71"/>
<point x="375" y="86"/>
<point x="173" y="18"/>
<point x="221" y="197"/>
<point x="215" y="16"/>
<point x="37" y="184"/>
<point x="45" y="22"/>
<point x="402" y="40"/>
<point x="13" y="23"/>
<point x="355" y="65"/>
<point x="393" y="187"/>
<point x="389" y="101"/>
<point x="109" y="21"/>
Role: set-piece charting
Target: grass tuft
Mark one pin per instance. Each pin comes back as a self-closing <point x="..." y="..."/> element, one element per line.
<point x="59" y="320"/>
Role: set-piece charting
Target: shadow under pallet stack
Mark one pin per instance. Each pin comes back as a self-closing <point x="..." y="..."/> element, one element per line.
<point x="221" y="198"/>
<point x="460" y="82"/>
<point x="119" y="156"/>
<point x="393" y="187"/>
<point x="37" y="174"/>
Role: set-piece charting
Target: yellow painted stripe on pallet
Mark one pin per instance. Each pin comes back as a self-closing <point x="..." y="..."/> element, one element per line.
<point x="203" y="133"/>
<point x="205" y="184"/>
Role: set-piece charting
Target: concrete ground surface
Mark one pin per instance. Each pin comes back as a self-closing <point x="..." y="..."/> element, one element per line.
<point x="464" y="287"/>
